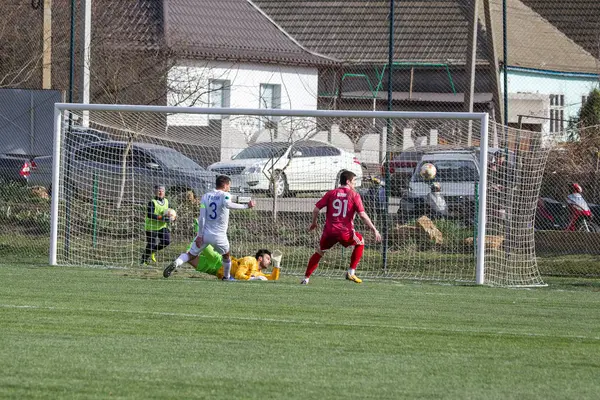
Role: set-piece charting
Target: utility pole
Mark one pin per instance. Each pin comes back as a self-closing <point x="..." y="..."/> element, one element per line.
<point x="72" y="53"/>
<point x="47" y="46"/>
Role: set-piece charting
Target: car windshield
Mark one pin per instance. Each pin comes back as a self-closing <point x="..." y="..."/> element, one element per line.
<point x="173" y="159"/>
<point x="263" y="150"/>
<point x="452" y="171"/>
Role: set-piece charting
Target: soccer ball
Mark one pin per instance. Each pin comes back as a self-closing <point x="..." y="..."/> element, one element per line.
<point x="428" y="171"/>
<point x="172" y="214"/>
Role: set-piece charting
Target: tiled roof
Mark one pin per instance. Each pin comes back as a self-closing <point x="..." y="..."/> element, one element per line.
<point x="430" y="31"/>
<point x="533" y="42"/>
<point x="358" y="30"/>
<point x="231" y="29"/>
<point x="545" y="34"/>
<point x="128" y="24"/>
<point x="578" y="19"/>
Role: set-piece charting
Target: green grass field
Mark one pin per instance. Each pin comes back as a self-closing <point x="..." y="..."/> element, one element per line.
<point x="102" y="333"/>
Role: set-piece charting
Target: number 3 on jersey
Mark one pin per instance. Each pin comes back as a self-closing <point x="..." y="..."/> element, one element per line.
<point x="213" y="210"/>
<point x="340" y="207"/>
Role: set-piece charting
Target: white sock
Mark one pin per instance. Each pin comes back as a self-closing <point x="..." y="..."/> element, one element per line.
<point x="351" y="271"/>
<point x="226" y="268"/>
<point x="182" y="259"/>
<point x="305" y="279"/>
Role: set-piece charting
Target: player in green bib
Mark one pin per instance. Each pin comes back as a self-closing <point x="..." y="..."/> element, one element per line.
<point x="157" y="225"/>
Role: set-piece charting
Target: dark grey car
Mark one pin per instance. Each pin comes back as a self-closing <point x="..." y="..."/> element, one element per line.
<point x="40" y="173"/>
<point x="97" y="171"/>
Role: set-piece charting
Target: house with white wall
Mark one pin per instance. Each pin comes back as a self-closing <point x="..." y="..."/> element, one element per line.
<point x="231" y="54"/>
<point x="243" y="85"/>
<point x="560" y="96"/>
<point x="549" y="71"/>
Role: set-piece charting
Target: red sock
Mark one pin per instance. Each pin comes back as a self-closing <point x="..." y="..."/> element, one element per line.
<point x="313" y="263"/>
<point x="356" y="256"/>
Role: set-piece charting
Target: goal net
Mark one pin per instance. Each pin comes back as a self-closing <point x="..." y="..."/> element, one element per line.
<point x="108" y="160"/>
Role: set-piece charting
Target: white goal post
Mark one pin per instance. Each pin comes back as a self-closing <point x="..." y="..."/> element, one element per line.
<point x="75" y="216"/>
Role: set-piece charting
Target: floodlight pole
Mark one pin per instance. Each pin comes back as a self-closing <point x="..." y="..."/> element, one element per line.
<point x="85" y="73"/>
<point x="471" y="63"/>
<point x="70" y="124"/>
<point x="504" y="67"/>
<point x="389" y="127"/>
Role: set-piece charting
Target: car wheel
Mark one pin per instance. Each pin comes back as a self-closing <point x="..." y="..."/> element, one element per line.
<point x="583" y="226"/>
<point x="595" y="228"/>
<point x="279" y="185"/>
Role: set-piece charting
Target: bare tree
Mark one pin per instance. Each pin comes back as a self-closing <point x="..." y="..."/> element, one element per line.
<point x="297" y="130"/>
<point x="20" y="47"/>
<point x="144" y="77"/>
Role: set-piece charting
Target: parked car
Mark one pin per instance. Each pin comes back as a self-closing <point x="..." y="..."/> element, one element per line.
<point x="15" y="169"/>
<point x="303" y="166"/>
<point x="81" y="135"/>
<point x="40" y="171"/>
<point x="457" y="173"/>
<point x="41" y="174"/>
<point x="402" y="166"/>
<point x="96" y="169"/>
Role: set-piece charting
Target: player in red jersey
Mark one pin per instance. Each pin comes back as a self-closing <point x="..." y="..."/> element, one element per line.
<point x="342" y="204"/>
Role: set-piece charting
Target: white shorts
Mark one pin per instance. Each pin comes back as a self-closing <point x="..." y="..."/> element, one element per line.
<point x="220" y="244"/>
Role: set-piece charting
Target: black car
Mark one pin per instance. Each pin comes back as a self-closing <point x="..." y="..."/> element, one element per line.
<point x="97" y="171"/>
<point x="39" y="171"/>
<point x="15" y="169"/>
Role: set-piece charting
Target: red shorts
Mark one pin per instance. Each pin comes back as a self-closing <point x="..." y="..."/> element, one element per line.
<point x="352" y="238"/>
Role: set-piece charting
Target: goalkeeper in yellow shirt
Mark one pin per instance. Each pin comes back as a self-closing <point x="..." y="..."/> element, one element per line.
<point x="243" y="269"/>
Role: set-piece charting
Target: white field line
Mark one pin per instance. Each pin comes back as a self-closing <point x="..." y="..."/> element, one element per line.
<point x="300" y="322"/>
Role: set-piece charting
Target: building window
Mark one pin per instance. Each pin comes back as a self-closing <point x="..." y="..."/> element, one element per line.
<point x="557" y="112"/>
<point x="219" y="93"/>
<point x="270" y="98"/>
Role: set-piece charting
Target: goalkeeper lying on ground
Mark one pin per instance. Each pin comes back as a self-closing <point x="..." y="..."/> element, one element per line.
<point x="210" y="262"/>
<point x="243" y="269"/>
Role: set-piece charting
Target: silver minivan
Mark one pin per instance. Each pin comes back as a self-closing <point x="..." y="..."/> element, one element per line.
<point x="457" y="174"/>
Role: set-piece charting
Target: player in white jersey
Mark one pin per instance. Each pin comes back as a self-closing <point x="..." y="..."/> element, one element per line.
<point x="212" y="226"/>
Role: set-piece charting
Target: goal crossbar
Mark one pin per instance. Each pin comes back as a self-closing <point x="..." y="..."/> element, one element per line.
<point x="273" y="112"/>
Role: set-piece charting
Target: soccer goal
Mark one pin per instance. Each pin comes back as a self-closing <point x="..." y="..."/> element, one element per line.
<point x="452" y="194"/>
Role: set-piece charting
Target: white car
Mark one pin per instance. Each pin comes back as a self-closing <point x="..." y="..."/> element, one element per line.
<point x="287" y="168"/>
